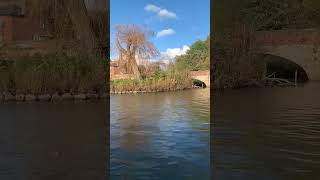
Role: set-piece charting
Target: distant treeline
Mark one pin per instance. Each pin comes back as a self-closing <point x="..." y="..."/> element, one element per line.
<point x="197" y="57"/>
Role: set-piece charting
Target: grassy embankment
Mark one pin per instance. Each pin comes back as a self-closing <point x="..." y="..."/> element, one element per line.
<point x="158" y="81"/>
<point x="53" y="73"/>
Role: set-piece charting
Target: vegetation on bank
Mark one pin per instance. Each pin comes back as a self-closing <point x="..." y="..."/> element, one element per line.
<point x="59" y="72"/>
<point x="79" y="70"/>
<point x="132" y="41"/>
<point x="149" y="85"/>
<point x="159" y="80"/>
<point x="235" y="62"/>
<point x="197" y="57"/>
<point x="150" y="77"/>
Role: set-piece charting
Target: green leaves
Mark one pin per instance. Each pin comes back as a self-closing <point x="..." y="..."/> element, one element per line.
<point x="281" y="14"/>
<point x="197" y="57"/>
<point x="55" y="72"/>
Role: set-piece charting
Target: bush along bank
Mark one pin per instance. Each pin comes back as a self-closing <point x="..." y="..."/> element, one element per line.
<point x="160" y="81"/>
<point x="53" y="77"/>
<point x="149" y="85"/>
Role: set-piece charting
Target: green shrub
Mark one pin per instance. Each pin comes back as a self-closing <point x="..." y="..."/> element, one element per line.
<point x="54" y="72"/>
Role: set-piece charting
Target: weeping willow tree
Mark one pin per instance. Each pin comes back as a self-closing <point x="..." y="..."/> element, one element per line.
<point x="136" y="43"/>
<point x="70" y="20"/>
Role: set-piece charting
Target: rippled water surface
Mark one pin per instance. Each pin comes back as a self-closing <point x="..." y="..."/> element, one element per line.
<point x="264" y="134"/>
<point x="53" y="141"/>
<point x="160" y="135"/>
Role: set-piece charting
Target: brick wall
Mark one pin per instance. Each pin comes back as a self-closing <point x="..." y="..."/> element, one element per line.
<point x="287" y="37"/>
<point x="114" y="70"/>
<point x="6" y="28"/>
<point x="25" y="28"/>
<point x="18" y="28"/>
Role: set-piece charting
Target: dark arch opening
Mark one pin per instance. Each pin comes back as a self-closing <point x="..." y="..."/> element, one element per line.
<point x="196" y="83"/>
<point x="284" y="68"/>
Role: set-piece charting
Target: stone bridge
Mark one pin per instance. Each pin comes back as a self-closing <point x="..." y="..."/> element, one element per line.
<point x="299" y="46"/>
<point x="203" y="76"/>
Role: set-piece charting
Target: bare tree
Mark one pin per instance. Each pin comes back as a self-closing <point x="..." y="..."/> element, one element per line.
<point x="65" y="20"/>
<point x="137" y="44"/>
<point x="99" y="15"/>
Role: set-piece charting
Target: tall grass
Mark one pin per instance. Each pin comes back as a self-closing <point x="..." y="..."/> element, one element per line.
<point x="235" y="61"/>
<point x="169" y="80"/>
<point x="55" y="72"/>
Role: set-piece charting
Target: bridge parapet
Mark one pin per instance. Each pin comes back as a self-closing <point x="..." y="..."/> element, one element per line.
<point x="199" y="73"/>
<point x="299" y="46"/>
<point x="285" y="37"/>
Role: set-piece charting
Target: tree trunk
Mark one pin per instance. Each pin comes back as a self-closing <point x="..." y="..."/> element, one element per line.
<point x="134" y="67"/>
<point x="79" y="16"/>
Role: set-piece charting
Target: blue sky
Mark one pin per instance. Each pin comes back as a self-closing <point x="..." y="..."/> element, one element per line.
<point x="176" y="23"/>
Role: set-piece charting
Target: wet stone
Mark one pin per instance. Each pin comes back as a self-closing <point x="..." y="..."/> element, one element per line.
<point x="67" y="96"/>
<point x="44" y="97"/>
<point x="20" y="97"/>
<point x="30" y="97"/>
<point x="80" y="97"/>
<point x="103" y="96"/>
<point x="9" y="97"/>
<point x="56" y="97"/>
<point x="92" y="96"/>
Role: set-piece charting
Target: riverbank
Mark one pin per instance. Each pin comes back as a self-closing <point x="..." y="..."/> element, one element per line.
<point x="161" y="83"/>
<point x="54" y="76"/>
<point x="155" y="91"/>
<point x="266" y="85"/>
<point x="7" y="97"/>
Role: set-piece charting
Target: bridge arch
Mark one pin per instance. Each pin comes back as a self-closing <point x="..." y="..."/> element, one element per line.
<point x="299" y="46"/>
<point x="201" y="77"/>
<point x="198" y="83"/>
<point x="282" y="67"/>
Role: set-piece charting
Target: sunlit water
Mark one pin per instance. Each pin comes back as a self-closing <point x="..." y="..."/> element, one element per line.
<point x="160" y="135"/>
<point x="267" y="134"/>
<point x="53" y="141"/>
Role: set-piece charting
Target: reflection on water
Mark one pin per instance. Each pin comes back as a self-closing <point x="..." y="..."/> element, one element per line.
<point x="160" y="135"/>
<point x="51" y="141"/>
<point x="271" y="133"/>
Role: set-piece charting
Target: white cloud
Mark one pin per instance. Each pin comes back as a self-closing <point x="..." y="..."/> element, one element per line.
<point x="152" y="8"/>
<point x="170" y="54"/>
<point x="166" y="32"/>
<point x="162" y="13"/>
<point x="173" y="52"/>
<point x="114" y="58"/>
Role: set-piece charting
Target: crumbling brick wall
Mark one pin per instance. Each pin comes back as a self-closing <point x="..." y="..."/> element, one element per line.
<point x="6" y="29"/>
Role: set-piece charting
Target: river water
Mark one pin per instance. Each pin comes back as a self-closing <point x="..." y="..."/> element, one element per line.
<point x="160" y="135"/>
<point x="53" y="141"/>
<point x="271" y="133"/>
